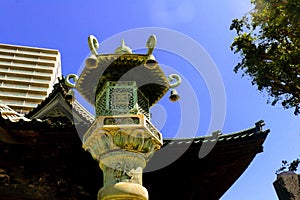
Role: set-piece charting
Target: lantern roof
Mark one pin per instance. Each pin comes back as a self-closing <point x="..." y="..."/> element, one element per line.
<point x="123" y="65"/>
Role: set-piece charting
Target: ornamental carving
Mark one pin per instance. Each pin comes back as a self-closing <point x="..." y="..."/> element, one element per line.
<point x="122" y="166"/>
<point x="125" y="172"/>
<point x="129" y="139"/>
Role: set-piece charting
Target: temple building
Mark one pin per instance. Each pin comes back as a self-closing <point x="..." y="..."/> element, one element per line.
<point x="41" y="154"/>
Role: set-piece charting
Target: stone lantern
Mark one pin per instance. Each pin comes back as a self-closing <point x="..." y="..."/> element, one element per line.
<point x="122" y="87"/>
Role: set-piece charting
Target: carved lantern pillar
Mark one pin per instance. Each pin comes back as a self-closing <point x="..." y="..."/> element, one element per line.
<point x="122" y="87"/>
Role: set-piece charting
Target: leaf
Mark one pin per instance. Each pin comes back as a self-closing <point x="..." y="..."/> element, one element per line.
<point x="268" y="42"/>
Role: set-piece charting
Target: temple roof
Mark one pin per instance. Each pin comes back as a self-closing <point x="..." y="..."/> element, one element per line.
<point x="61" y="102"/>
<point x="47" y="139"/>
<point x="196" y="178"/>
<point x="208" y="177"/>
<point x="8" y="113"/>
<point x="57" y="113"/>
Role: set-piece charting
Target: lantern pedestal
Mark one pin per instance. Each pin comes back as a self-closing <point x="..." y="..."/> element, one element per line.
<point x="122" y="145"/>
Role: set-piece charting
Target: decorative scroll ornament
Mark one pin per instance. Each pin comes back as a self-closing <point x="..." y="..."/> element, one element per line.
<point x="92" y="61"/>
<point x="71" y="85"/>
<point x="151" y="63"/>
<point x="151" y="43"/>
<point x="93" y="44"/>
<point x="74" y="77"/>
<point x="173" y="77"/>
<point x="174" y="96"/>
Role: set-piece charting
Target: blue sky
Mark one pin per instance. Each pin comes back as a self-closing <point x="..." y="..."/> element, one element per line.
<point x="65" y="25"/>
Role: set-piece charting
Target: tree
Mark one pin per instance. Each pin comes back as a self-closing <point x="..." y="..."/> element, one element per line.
<point x="268" y="41"/>
<point x="288" y="167"/>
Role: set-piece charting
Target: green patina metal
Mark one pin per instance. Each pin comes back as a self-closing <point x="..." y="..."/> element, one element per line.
<point x="120" y="98"/>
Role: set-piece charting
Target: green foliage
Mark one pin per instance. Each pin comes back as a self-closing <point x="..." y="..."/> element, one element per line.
<point x="292" y="167"/>
<point x="268" y="41"/>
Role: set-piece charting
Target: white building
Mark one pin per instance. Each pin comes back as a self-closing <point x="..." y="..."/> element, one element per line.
<point x="27" y="75"/>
